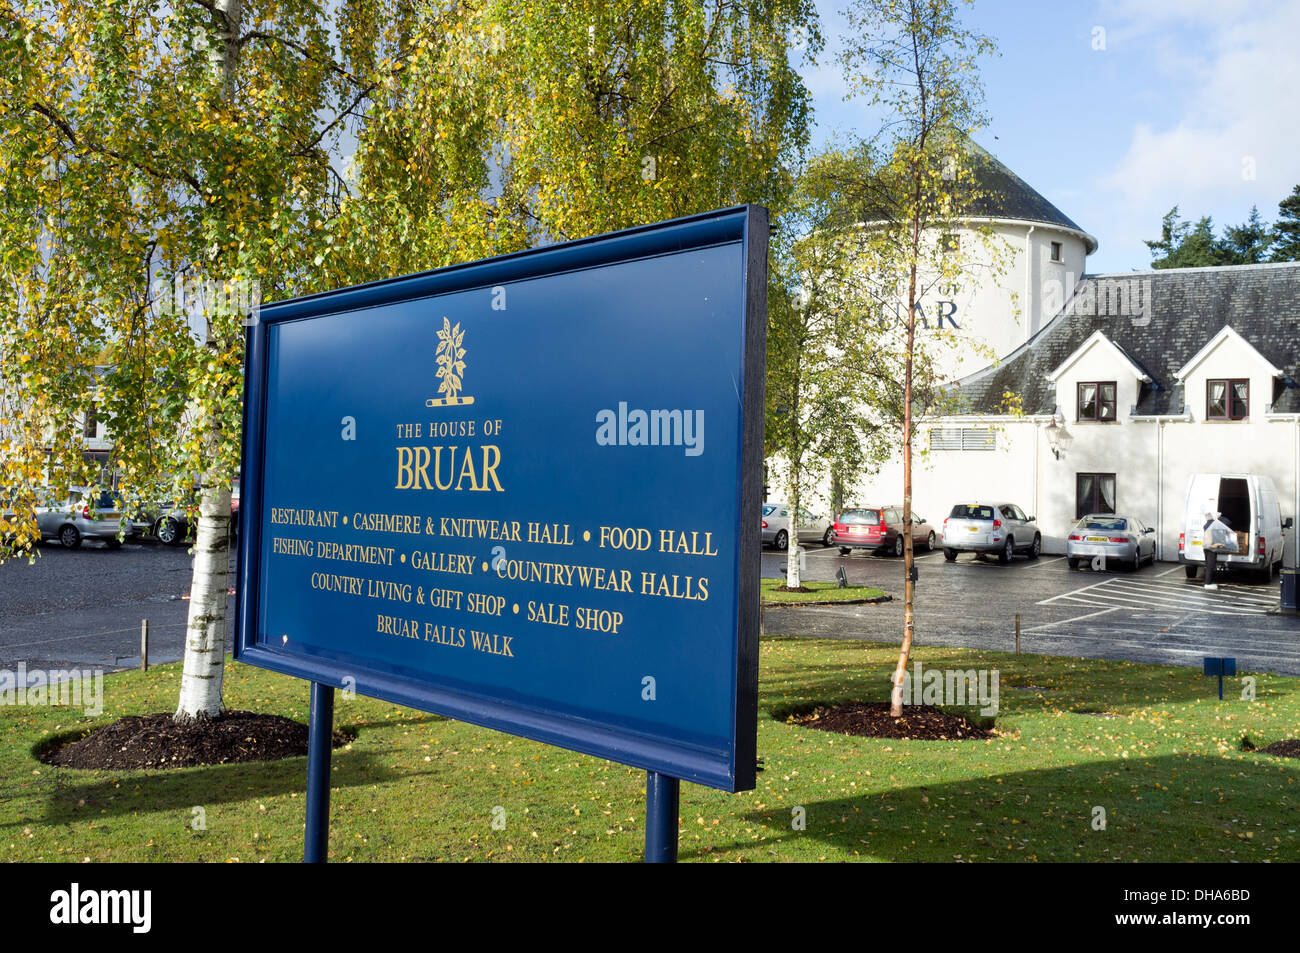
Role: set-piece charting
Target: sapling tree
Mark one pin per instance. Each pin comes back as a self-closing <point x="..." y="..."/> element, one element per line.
<point x="915" y="61"/>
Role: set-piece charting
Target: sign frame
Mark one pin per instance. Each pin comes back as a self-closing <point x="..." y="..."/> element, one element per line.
<point x="746" y="226"/>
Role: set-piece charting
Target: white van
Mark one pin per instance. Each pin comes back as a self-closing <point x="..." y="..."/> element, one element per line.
<point x="1248" y="504"/>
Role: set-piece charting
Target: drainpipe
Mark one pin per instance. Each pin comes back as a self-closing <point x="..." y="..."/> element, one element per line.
<point x="1029" y="257"/>
<point x="1160" y="487"/>
<point x="1037" y="510"/>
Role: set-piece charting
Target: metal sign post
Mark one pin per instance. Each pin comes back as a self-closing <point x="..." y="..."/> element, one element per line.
<point x="662" y="803"/>
<point x="320" y="744"/>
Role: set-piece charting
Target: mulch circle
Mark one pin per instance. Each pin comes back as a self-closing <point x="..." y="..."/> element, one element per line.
<point x="872" y="720"/>
<point x="791" y="589"/>
<point x="1288" y="748"/>
<point x="156" y="741"/>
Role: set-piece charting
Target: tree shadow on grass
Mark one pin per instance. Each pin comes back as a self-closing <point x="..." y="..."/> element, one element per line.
<point x="1169" y="808"/>
<point x="108" y="794"/>
<point x="1027" y="683"/>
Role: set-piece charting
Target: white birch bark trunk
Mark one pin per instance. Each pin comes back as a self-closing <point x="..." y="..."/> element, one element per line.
<point x="204" y="669"/>
<point x="205" y="635"/>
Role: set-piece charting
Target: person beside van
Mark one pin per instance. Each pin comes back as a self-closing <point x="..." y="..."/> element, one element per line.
<point x="1247" y="504"/>
<point x="1218" y="538"/>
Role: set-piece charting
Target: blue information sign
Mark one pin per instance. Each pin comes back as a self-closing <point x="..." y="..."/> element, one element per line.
<point x="523" y="493"/>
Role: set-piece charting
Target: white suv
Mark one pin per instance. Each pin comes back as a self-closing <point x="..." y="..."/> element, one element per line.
<point x="990" y="528"/>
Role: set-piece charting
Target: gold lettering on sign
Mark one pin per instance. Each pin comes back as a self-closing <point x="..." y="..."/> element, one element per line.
<point x="455" y="463"/>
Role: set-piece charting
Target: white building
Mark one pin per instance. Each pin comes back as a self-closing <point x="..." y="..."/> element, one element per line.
<point x="1127" y="383"/>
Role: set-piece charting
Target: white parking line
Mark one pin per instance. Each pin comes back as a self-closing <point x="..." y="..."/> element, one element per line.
<point x="1207" y="598"/>
<point x="1193" y="586"/>
<point x="1155" y="596"/>
<point x="1044" y="561"/>
<point x="1192" y="592"/>
<point x="1139" y="602"/>
<point x="1078" y="618"/>
<point x="1043" y="602"/>
<point x="1143" y="639"/>
<point x="1170" y="572"/>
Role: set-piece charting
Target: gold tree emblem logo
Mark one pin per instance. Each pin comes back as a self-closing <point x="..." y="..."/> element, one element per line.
<point x="451" y="366"/>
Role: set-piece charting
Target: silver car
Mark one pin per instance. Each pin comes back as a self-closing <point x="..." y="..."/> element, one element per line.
<point x="83" y="515"/>
<point x="1000" y="529"/>
<point x="811" y="527"/>
<point x="1108" y="539"/>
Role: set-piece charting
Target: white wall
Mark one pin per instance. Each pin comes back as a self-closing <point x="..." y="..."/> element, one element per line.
<point x="1149" y="485"/>
<point x="1009" y="290"/>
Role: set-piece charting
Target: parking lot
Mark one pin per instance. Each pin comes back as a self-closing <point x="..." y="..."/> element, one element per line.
<point x="1152" y="615"/>
<point x="83" y="607"/>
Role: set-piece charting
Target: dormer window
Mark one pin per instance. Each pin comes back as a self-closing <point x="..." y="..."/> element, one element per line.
<point x="1097" y="401"/>
<point x="1227" y="400"/>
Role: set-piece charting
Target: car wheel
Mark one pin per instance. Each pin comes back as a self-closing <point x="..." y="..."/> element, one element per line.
<point x="1191" y="569"/>
<point x="929" y="543"/>
<point x="898" y="545"/>
<point x="782" y="540"/>
<point x="1072" y="562"/>
<point x="845" y="550"/>
<point x="169" y="531"/>
<point x="1008" y="550"/>
<point x="828" y="538"/>
<point x="70" y="537"/>
<point x="950" y="554"/>
<point x="1037" y="548"/>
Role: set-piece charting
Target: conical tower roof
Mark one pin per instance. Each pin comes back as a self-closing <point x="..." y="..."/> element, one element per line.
<point x="1003" y="194"/>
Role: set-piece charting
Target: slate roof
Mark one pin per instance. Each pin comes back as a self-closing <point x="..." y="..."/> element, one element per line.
<point x="1187" y="307"/>
<point x="1003" y="194"/>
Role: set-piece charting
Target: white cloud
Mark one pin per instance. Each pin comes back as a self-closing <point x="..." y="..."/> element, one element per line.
<point x="1236" y="113"/>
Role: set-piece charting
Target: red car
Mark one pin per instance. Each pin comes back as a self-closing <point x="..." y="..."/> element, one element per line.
<point x="879" y="529"/>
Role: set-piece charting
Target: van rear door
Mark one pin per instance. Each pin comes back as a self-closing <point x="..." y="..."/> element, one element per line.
<point x="1238" y="506"/>
<point x="1202" y="497"/>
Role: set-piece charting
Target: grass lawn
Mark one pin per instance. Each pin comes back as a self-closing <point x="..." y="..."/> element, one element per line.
<point x="1158" y="751"/>
<point x="822" y="592"/>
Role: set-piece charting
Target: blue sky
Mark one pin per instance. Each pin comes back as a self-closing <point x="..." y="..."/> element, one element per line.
<point x="1194" y="103"/>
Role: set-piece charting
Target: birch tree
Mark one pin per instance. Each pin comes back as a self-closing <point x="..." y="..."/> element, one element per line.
<point x="914" y="60"/>
<point x="161" y="168"/>
<point x="821" y="335"/>
<point x="237" y="150"/>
